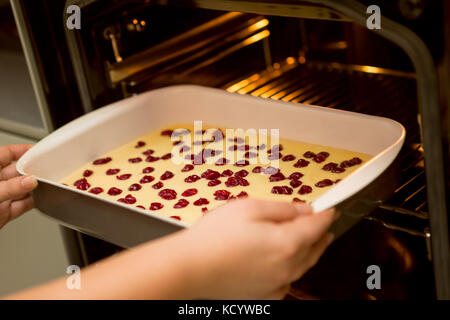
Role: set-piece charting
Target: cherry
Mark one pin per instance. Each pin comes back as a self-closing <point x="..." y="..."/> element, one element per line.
<point x="261" y="147"/>
<point x="129" y="199"/>
<point x="232" y="182"/>
<point x="148" y="170"/>
<point x="192" y="178"/>
<point x="350" y="163"/>
<point x="176" y="217"/>
<point x="146" y="179"/>
<point x="189" y="192"/>
<point x="210" y="174"/>
<point x="182" y="203"/>
<point x="295" y="176"/>
<point x="87" y="173"/>
<point x="125" y="176"/>
<point x="277" y="177"/>
<point x="96" y="190"/>
<point x="242" y="194"/>
<point x="158" y="185"/>
<point x="319" y="158"/>
<point x="338" y="170"/>
<point x="148" y="152"/>
<point x="276" y="149"/>
<point x="242" y="163"/>
<point x="309" y="154"/>
<point x="187" y="168"/>
<point x="282" y="190"/>
<point x="214" y="183"/>
<point x="167" y="133"/>
<point x="167" y="175"/>
<point x="156" y="206"/>
<point x="184" y="149"/>
<point x="297" y="200"/>
<point x="175" y="143"/>
<point x="295" y="183"/>
<point x="135" y="160"/>
<point x="243" y="182"/>
<point x="329" y="166"/>
<point x="135" y="187"/>
<point x="243" y="147"/>
<point x="237" y="140"/>
<point x="221" y="195"/>
<point x="111" y="172"/>
<point x="182" y="132"/>
<point x="271" y="170"/>
<point x="151" y="159"/>
<point x="222" y="161"/>
<point x="356" y="161"/>
<point x="167" y="194"/>
<point x="324" y="183"/>
<point x="139" y="144"/>
<point x="102" y="161"/>
<point x="114" y="191"/>
<point x="140" y="207"/>
<point x="167" y="156"/>
<point x="82" y="184"/>
<point x="233" y="148"/>
<point x="201" y="202"/>
<point x="275" y="156"/>
<point x="227" y="173"/>
<point x="301" y="163"/>
<point x="257" y="169"/>
<point x="289" y="157"/>
<point x="242" y="173"/>
<point x="250" y="155"/>
<point x="304" y="189"/>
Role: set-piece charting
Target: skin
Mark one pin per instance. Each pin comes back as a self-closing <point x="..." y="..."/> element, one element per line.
<point x="245" y="249"/>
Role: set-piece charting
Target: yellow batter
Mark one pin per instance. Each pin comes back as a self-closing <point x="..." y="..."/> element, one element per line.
<point x="259" y="184"/>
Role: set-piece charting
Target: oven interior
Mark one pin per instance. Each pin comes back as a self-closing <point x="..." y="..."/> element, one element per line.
<point x="135" y="46"/>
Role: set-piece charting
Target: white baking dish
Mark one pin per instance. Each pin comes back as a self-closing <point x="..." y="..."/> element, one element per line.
<point x="96" y="133"/>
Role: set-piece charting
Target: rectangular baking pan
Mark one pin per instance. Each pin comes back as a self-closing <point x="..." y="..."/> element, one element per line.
<point x="94" y="134"/>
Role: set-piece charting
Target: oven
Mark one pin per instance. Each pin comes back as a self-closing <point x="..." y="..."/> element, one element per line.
<point x="316" y="52"/>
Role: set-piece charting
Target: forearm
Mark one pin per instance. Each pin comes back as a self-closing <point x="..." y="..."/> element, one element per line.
<point x="160" y="269"/>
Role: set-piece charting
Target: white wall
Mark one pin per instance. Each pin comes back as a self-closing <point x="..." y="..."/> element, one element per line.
<point x="31" y="247"/>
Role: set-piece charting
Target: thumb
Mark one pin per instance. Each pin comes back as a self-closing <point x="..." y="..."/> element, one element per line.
<point x="278" y="211"/>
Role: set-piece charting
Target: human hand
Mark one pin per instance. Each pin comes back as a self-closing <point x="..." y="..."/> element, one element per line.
<point x="254" y="249"/>
<point x="14" y="189"/>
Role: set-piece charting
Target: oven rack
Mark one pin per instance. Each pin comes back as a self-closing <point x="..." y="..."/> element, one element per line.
<point x="365" y="89"/>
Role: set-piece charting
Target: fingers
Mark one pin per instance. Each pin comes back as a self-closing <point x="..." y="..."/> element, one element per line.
<point x="278" y="211"/>
<point x="19" y="207"/>
<point x="16" y="187"/>
<point x="319" y="248"/>
<point x="313" y="256"/>
<point x="308" y="230"/>
<point x="12" y="153"/>
<point x="10" y="210"/>
<point x="9" y="172"/>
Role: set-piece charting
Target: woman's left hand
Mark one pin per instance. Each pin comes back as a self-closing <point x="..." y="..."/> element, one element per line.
<point x="14" y="189"/>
